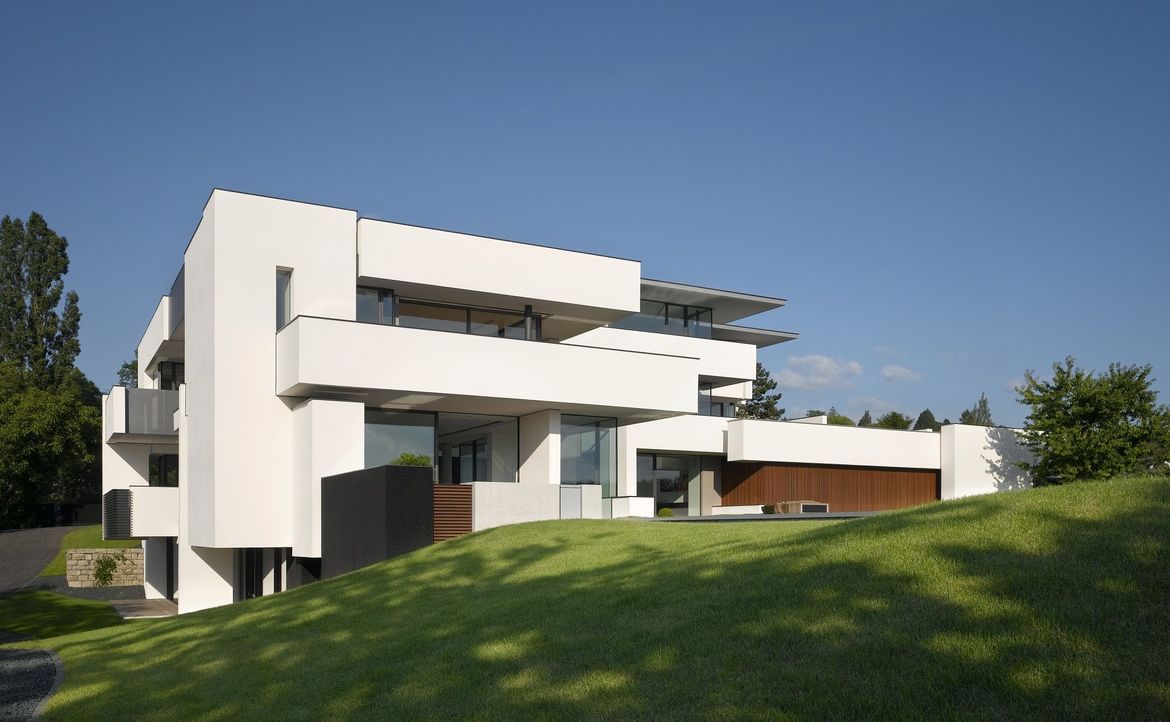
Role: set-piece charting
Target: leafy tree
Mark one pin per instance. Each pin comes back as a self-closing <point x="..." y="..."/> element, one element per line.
<point x="50" y="421"/>
<point x="926" y="420"/>
<point x="762" y="404"/>
<point x="1088" y="426"/>
<point x="893" y="420"/>
<point x="815" y="412"/>
<point x="838" y="419"/>
<point x="128" y="374"/>
<point x="50" y="440"/>
<point x="37" y="331"/>
<point x="865" y="421"/>
<point x="978" y="415"/>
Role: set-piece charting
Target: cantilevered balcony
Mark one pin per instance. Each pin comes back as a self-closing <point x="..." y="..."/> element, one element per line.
<point x="140" y="416"/>
<point x="140" y="512"/>
<point x="408" y="368"/>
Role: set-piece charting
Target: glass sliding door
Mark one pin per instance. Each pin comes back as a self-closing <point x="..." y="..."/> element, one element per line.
<point x="672" y="480"/>
<point x="589" y="451"/>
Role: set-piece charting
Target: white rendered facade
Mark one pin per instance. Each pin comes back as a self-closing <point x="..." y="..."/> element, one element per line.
<point x="301" y="341"/>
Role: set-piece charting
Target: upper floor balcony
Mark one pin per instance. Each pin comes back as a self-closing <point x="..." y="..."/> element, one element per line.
<point x="142" y="416"/>
<point x="413" y="368"/>
<point x="140" y="512"/>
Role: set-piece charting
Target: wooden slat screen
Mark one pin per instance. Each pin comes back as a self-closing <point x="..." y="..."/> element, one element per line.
<point x="843" y="488"/>
<point x="452" y="511"/>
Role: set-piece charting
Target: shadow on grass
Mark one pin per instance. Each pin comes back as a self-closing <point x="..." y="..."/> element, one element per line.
<point x="39" y="614"/>
<point x="1048" y="604"/>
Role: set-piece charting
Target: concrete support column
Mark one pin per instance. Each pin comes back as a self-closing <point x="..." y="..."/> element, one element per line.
<point x="328" y="438"/>
<point x="627" y="466"/>
<point x="154" y="565"/>
<point x="540" y="448"/>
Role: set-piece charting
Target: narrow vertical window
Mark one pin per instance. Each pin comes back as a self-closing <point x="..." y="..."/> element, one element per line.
<point x="283" y="298"/>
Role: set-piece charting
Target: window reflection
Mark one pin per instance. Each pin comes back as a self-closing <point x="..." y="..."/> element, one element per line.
<point x="589" y="451"/>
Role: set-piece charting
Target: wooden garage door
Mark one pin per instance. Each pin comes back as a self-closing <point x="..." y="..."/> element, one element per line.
<point x="844" y="488"/>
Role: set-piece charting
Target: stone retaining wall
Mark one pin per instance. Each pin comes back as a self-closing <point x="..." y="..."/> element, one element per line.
<point x="80" y="563"/>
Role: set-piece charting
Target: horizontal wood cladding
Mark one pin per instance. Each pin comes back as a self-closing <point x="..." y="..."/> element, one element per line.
<point x="452" y="511"/>
<point x="843" y="488"/>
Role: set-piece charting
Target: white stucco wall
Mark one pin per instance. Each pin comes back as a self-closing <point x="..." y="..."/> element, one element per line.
<point x="500" y="503"/>
<point x="154" y="511"/>
<point x="157" y="333"/>
<point x="781" y="441"/>
<point x="328" y="438"/>
<point x="685" y="434"/>
<point x="449" y="261"/>
<point x="154" y="573"/>
<point x="314" y="352"/>
<point x="981" y="460"/>
<point x="241" y="490"/>
<point x="127" y="465"/>
<point x="631" y="506"/>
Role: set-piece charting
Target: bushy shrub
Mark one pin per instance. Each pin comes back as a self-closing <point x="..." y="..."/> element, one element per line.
<point x="105" y="568"/>
<point x="665" y="512"/>
<point x="408" y="459"/>
<point x="768" y="509"/>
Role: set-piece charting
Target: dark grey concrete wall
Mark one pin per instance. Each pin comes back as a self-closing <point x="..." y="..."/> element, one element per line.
<point x="374" y="514"/>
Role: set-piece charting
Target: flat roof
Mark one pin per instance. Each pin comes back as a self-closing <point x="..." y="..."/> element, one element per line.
<point x="727" y="306"/>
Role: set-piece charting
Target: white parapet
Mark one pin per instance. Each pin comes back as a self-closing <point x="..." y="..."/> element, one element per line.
<point x="434" y="370"/>
<point x="154" y="511"/>
<point x="981" y="460"/>
<point x="781" y="441"/>
<point x="462" y="268"/>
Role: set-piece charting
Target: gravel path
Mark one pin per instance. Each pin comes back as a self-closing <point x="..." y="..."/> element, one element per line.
<point x="27" y="676"/>
<point x="60" y="586"/>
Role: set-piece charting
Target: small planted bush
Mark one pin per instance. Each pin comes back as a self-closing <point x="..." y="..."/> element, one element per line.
<point x="768" y="509"/>
<point x="665" y="512"/>
<point x="105" y="568"/>
<point x="408" y="459"/>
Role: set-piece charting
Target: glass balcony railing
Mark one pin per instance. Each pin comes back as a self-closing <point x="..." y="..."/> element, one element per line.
<point x="141" y="411"/>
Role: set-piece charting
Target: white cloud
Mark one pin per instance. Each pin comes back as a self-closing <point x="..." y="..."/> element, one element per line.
<point x="899" y="373"/>
<point x="817" y="372"/>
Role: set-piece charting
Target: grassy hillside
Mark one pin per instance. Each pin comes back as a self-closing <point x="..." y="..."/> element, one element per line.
<point x="84" y="537"/>
<point x="1050" y="603"/>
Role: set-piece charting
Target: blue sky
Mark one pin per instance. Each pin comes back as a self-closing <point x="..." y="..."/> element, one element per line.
<point x="948" y="193"/>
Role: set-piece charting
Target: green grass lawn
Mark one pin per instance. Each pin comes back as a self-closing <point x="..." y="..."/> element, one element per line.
<point x="38" y="613"/>
<point x="1052" y="603"/>
<point x="84" y="537"/>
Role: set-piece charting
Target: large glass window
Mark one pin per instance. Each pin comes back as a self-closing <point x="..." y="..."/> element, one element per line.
<point x="164" y="470"/>
<point x="589" y="451"/>
<point x="477" y="447"/>
<point x="395" y="437"/>
<point x="170" y="375"/>
<point x="283" y="298"/>
<point x="413" y="314"/>
<point x="375" y="305"/>
<point x="672" y="480"/>
<point x="672" y="318"/>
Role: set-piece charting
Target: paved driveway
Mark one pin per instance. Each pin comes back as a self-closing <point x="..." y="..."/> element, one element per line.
<point x="24" y="553"/>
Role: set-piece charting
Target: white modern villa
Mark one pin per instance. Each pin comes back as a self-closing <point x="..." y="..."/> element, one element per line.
<point x="313" y="374"/>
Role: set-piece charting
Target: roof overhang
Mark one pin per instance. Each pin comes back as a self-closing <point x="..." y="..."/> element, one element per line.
<point x="727" y="306"/>
<point x="758" y="337"/>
